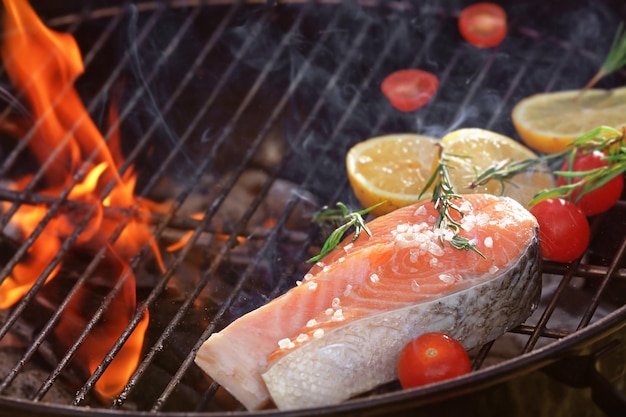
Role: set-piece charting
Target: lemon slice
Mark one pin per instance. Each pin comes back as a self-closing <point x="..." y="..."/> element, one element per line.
<point x="480" y="149"/>
<point x="391" y="168"/>
<point x="549" y="122"/>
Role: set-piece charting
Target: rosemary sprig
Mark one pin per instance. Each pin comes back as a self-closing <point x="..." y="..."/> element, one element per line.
<point x="615" y="59"/>
<point x="442" y="197"/>
<point x="605" y="139"/>
<point x="602" y="138"/>
<point x="344" y="219"/>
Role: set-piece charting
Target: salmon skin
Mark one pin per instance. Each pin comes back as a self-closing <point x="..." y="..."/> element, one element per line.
<point x="340" y="331"/>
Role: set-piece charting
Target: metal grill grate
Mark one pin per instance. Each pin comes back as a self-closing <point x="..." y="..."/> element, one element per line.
<point x="204" y="88"/>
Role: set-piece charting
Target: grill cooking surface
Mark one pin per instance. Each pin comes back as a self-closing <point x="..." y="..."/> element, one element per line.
<point x="240" y="116"/>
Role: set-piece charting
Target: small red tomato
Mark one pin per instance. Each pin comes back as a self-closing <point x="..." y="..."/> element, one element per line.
<point x="431" y="357"/>
<point x="483" y="24"/>
<point x="409" y="89"/>
<point x="596" y="201"/>
<point x="563" y="229"/>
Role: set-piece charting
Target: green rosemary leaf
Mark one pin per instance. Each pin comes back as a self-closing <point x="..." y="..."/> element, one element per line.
<point x="557" y="192"/>
<point x="599" y="138"/>
<point x="336" y="216"/>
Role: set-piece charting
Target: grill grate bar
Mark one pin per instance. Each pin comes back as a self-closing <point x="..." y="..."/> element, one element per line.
<point x="471" y="92"/>
<point x="584" y="270"/>
<point x="365" y="84"/>
<point x="540" y="327"/>
<point x="144" y="88"/>
<point x="593" y="305"/>
<point x="54" y="319"/>
<point x="446" y="74"/>
<point x="551" y="333"/>
<point x="558" y="71"/>
<point x="521" y="72"/>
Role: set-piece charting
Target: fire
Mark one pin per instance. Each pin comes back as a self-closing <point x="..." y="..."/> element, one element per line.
<point x="44" y="65"/>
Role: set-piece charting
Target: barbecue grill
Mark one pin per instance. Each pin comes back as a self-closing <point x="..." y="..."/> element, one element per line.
<point x="235" y="118"/>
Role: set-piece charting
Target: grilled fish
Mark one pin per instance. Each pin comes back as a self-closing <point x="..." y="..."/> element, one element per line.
<point x="340" y="331"/>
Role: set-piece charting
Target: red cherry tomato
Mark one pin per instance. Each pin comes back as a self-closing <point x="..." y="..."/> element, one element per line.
<point x="431" y="357"/>
<point x="409" y="89"/>
<point x="596" y="201"/>
<point x="483" y="24"/>
<point x="563" y="229"/>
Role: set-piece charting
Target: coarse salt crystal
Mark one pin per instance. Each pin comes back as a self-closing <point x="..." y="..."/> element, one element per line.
<point x="420" y="210"/>
<point x="308" y="276"/>
<point x="302" y="338"/>
<point x="468" y="222"/>
<point x="433" y="261"/>
<point x="435" y="249"/>
<point x="298" y="283"/>
<point x="312" y="285"/>
<point x="482" y="219"/>
<point x="489" y="242"/>
<point x="338" y="315"/>
<point x="415" y="286"/>
<point x="493" y="269"/>
<point x="311" y="323"/>
<point x="321" y="264"/>
<point x="318" y="334"/>
<point x="348" y="247"/>
<point x="447" y="278"/>
<point x="403" y="227"/>
<point x="348" y="290"/>
<point x="286" y="343"/>
<point x="466" y="207"/>
<point x="374" y="278"/>
<point x="326" y="268"/>
<point x="329" y="311"/>
<point x="335" y="303"/>
<point x="343" y="258"/>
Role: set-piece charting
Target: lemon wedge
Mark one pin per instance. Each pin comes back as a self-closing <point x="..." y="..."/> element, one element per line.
<point x="478" y="149"/>
<point x="391" y="168"/>
<point x="548" y="122"/>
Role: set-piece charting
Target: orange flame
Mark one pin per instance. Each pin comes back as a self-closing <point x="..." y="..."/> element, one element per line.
<point x="44" y="65"/>
<point x="101" y="339"/>
<point x="185" y="238"/>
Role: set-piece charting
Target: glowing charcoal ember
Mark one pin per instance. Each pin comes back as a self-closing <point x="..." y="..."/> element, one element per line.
<point x="396" y="291"/>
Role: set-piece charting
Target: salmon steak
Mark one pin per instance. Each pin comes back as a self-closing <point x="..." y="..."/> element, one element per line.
<point x="340" y="330"/>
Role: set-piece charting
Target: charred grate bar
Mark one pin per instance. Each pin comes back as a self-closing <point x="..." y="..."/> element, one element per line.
<point x="203" y="89"/>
